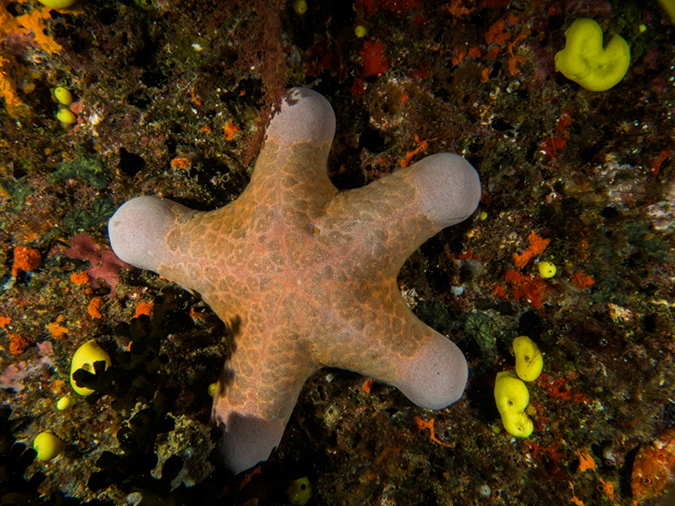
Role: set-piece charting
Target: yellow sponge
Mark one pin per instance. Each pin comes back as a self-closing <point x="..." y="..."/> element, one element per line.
<point x="299" y="491"/>
<point x="63" y="95"/>
<point x="84" y="358"/>
<point x="669" y="6"/>
<point x="66" y="117"/>
<point x="586" y="62"/>
<point x="57" y="4"/>
<point x="512" y="398"/>
<point x="529" y="361"/>
<point x="47" y="446"/>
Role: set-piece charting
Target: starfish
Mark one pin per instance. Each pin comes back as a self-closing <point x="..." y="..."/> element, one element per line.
<point x="305" y="275"/>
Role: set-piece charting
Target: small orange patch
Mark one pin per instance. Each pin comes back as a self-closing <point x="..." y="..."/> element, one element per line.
<point x="607" y="488"/>
<point x="18" y="344"/>
<point x="582" y="280"/>
<point x="656" y="164"/>
<point x="499" y="291"/>
<point x="195" y="98"/>
<point x="474" y="52"/>
<point x="181" y="162"/>
<point x="498" y="34"/>
<point x="79" y="278"/>
<point x="249" y="476"/>
<point x="537" y="246"/>
<point x="368" y="385"/>
<point x="460" y="56"/>
<point x="25" y="259"/>
<point x="558" y="388"/>
<point x="514" y="60"/>
<point x="143" y="308"/>
<point x="575" y="500"/>
<point x="422" y="146"/>
<point x="390" y="450"/>
<point x="485" y="75"/>
<point x="13" y="104"/>
<point x="457" y="9"/>
<point x="586" y="462"/>
<point x="5" y="321"/>
<point x="421" y="424"/>
<point x="530" y="288"/>
<point x="94" y="308"/>
<point x="57" y="330"/>
<point x="374" y="61"/>
<point x="230" y="130"/>
<point x="196" y="315"/>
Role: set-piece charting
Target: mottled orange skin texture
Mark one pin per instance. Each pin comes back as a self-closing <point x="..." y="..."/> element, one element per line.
<point x="305" y="277"/>
<point x="654" y="468"/>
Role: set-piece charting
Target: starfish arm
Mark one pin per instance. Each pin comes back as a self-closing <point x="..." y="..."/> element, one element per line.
<point x="448" y="188"/>
<point x="291" y="174"/>
<point x="436" y="375"/>
<point x="391" y="217"/>
<point x="304" y="116"/>
<point x="290" y="183"/>
<point x="180" y="244"/>
<point x="388" y="342"/>
<point x="139" y="228"/>
<point x="256" y="394"/>
<point x="247" y="440"/>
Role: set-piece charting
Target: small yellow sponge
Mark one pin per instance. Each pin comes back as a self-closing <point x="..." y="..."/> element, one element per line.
<point x="84" y="358"/>
<point x="47" y="446"/>
<point x="63" y="95"/>
<point x="512" y="398"/>
<point x="529" y="361"/>
<point x="586" y="62"/>
<point x="66" y="117"/>
<point x="299" y="491"/>
<point x="57" y="4"/>
<point x="64" y="403"/>
<point x="546" y="269"/>
<point x="299" y="6"/>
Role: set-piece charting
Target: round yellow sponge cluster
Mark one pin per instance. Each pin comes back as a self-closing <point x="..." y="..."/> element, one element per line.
<point x="586" y="62"/>
<point x="512" y="398"/>
<point x="511" y="394"/>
